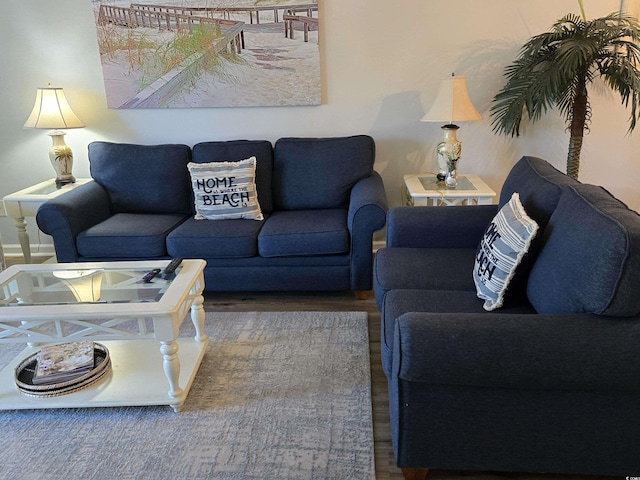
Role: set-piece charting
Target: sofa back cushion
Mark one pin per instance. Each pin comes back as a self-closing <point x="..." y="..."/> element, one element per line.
<point x="314" y="173"/>
<point x="591" y="257"/>
<point x="236" y="150"/>
<point x="143" y="178"/>
<point x="539" y="185"/>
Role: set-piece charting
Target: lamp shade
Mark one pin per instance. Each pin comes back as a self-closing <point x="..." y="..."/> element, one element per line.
<point x="452" y="103"/>
<point x="52" y="111"/>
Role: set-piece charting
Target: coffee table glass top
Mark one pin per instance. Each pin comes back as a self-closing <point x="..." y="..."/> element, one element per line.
<point x="44" y="286"/>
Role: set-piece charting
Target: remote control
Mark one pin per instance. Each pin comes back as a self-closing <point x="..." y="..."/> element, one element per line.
<point x="149" y="276"/>
<point x="171" y="267"/>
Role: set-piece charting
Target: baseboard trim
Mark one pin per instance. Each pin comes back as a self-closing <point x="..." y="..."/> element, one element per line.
<point x="14" y="250"/>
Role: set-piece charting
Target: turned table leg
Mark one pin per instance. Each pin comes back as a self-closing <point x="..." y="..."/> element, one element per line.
<point x="171" y="365"/>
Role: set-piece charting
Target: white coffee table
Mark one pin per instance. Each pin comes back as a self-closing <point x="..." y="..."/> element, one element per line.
<point x="107" y="302"/>
<point x="423" y="189"/>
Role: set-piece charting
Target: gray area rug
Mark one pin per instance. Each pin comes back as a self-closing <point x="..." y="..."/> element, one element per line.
<point x="278" y="396"/>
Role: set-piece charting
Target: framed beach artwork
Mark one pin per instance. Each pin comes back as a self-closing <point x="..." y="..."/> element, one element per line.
<point x="209" y="53"/>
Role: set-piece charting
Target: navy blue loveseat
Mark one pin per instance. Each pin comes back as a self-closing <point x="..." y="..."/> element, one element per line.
<point x="550" y="382"/>
<point x="321" y="199"/>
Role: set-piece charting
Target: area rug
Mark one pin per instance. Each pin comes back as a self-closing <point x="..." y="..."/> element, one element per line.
<point x="278" y="396"/>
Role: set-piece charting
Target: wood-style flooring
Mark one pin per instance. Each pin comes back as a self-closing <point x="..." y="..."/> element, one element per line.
<point x="336" y="302"/>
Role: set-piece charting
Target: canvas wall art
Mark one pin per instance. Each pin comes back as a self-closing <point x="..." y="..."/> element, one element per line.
<point x="209" y="53"/>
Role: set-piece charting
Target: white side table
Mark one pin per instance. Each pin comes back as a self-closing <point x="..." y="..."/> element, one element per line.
<point x="422" y="189"/>
<point x="25" y="203"/>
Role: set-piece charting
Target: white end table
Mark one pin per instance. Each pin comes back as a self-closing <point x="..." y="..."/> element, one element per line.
<point x="25" y="203"/>
<point x="422" y="189"/>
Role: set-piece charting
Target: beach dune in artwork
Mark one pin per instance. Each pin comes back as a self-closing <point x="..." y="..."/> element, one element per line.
<point x="209" y="53"/>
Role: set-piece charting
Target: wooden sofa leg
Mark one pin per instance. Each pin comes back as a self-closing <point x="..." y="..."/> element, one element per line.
<point x="415" y="473"/>
<point x="362" y="294"/>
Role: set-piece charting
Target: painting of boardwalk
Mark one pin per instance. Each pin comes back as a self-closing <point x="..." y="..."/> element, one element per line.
<point x="209" y="53"/>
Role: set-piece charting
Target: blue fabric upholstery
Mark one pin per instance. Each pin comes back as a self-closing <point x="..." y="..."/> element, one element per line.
<point x="539" y="185"/>
<point x="423" y="269"/>
<point x="304" y="232"/>
<point x="138" y="234"/>
<point x="327" y="246"/>
<point x="520" y="389"/>
<point x="215" y="239"/>
<point x="319" y="172"/>
<point x="235" y="150"/>
<point x="591" y="259"/>
<point x="142" y="178"/>
<point x="400" y="301"/>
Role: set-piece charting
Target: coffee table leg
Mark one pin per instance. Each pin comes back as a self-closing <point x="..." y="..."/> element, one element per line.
<point x="171" y="365"/>
<point x="197" y="317"/>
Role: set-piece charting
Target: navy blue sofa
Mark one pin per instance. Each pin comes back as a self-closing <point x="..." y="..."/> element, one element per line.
<point x="550" y="382"/>
<point x="321" y="199"/>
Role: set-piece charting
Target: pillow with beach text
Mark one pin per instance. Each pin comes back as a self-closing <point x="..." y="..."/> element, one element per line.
<point x="225" y="190"/>
<point x="505" y="242"/>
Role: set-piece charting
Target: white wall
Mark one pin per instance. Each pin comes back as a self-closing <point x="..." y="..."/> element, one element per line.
<point x="382" y="64"/>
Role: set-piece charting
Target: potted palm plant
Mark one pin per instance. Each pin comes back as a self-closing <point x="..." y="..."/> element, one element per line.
<point x="555" y="69"/>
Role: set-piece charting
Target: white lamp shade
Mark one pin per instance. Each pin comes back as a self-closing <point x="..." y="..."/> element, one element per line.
<point x="52" y="111"/>
<point x="452" y="103"/>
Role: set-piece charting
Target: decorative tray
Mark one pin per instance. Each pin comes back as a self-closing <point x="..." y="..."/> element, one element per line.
<point x="25" y="370"/>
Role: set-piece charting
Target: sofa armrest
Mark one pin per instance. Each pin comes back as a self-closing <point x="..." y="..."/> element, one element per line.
<point x="66" y="216"/>
<point x="438" y="227"/>
<point x="518" y="351"/>
<point x="367" y="214"/>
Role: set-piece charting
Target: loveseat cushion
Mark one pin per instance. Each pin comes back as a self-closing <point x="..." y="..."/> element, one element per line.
<point x="133" y="235"/>
<point x="304" y="232"/>
<point x="316" y="173"/>
<point x="539" y="185"/>
<point x="143" y="178"/>
<point x="236" y="150"/>
<point x="591" y="257"/>
<point x="219" y="239"/>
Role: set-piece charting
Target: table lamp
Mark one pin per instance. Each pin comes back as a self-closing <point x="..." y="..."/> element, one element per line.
<point x="452" y="104"/>
<point x="52" y="111"/>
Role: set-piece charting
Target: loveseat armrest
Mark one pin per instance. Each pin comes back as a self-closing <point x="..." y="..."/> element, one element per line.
<point x="66" y="216"/>
<point x="367" y="214"/>
<point x="438" y="227"/>
<point x="581" y="352"/>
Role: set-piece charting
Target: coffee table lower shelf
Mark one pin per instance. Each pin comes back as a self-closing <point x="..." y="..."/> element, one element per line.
<point x="136" y="378"/>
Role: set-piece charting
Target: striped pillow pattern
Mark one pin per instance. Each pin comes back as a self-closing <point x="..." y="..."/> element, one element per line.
<point x="504" y="243"/>
<point x="225" y="190"/>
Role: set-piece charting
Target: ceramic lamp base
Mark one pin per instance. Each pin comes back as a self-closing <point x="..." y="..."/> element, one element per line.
<point x="61" y="158"/>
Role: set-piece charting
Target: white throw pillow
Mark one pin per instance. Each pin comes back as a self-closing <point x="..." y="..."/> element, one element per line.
<point x="225" y="190"/>
<point x="504" y="243"/>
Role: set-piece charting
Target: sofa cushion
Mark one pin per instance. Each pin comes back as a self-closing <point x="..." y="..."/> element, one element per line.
<point x="539" y="185"/>
<point x="143" y="178"/>
<point x="225" y="190"/>
<point x="133" y="235"/>
<point x="505" y="242"/>
<point x="219" y="239"/>
<point x="234" y="150"/>
<point x="591" y="257"/>
<point x="304" y="232"/>
<point x="315" y="173"/>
